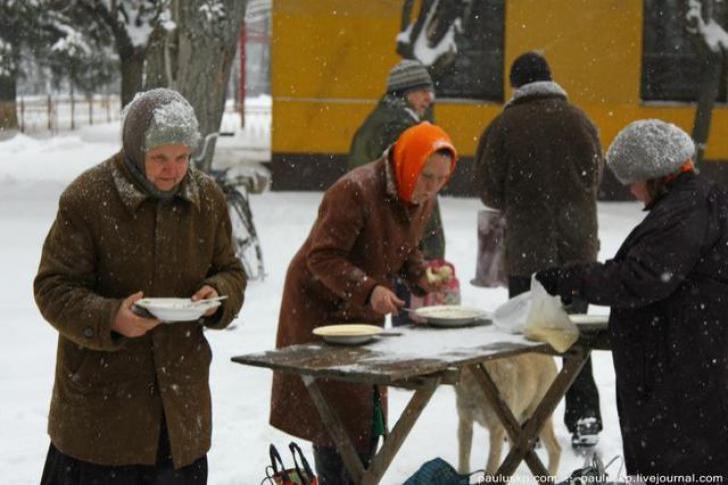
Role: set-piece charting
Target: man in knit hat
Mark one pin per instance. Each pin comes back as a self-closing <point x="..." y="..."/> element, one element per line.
<point x="368" y="228"/>
<point x="131" y="400"/>
<point x="408" y="101"/>
<point x="540" y="163"/>
<point x="668" y="324"/>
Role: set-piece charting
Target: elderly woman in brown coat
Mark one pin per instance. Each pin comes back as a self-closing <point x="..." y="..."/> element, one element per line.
<point x="131" y="399"/>
<point x="369" y="225"/>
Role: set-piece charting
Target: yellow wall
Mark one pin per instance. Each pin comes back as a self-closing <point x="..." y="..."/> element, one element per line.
<point x="330" y="60"/>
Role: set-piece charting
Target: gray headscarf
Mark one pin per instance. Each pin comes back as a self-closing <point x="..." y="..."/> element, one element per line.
<point x="152" y="119"/>
<point x="648" y="149"/>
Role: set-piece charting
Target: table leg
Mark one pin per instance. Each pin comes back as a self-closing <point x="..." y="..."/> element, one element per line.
<point x="335" y="427"/>
<point x="383" y="458"/>
<point x="509" y="421"/>
<point x="574" y="360"/>
<point x="415" y="406"/>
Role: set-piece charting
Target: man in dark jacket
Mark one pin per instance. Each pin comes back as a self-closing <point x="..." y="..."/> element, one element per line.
<point x="667" y="288"/>
<point x="131" y="399"/>
<point x="407" y="102"/>
<point x="540" y="163"/>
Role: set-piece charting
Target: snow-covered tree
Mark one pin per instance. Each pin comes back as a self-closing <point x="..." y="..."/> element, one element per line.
<point x="129" y="23"/>
<point x="192" y="51"/>
<point x="19" y="25"/>
<point x="48" y="32"/>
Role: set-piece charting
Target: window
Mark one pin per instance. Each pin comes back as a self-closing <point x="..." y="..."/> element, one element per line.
<point x="461" y="43"/>
<point x="674" y="59"/>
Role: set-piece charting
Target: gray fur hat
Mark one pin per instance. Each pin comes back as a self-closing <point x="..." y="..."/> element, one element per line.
<point x="648" y="149"/>
<point x="408" y="74"/>
<point x="158" y="117"/>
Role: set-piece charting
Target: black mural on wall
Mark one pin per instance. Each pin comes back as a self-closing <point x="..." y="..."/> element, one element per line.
<point x="676" y="50"/>
<point x="461" y="43"/>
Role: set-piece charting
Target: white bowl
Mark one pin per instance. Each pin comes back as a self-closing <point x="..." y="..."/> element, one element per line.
<point x="450" y="315"/>
<point x="176" y="309"/>
<point x="589" y="321"/>
<point x="348" y="334"/>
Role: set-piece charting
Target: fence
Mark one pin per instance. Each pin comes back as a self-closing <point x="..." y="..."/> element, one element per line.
<point x="60" y="113"/>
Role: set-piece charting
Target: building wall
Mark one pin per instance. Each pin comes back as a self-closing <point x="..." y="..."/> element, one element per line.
<point x="330" y="60"/>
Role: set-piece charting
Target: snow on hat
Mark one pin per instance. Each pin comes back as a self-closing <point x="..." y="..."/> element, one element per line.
<point x="158" y="117"/>
<point x="410" y="153"/>
<point x="648" y="149"/>
<point x="408" y="74"/>
<point x="528" y="68"/>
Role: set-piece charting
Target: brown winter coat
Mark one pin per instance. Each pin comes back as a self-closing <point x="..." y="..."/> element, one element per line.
<point x="540" y="162"/>
<point x="363" y="237"/>
<point x="109" y="240"/>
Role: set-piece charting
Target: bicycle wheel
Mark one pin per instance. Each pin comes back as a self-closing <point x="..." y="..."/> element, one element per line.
<point x="245" y="237"/>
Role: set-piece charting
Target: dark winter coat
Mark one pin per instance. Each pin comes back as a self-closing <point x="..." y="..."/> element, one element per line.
<point x="382" y="128"/>
<point x="668" y="289"/>
<point x="110" y="240"/>
<point x="540" y="162"/>
<point x="363" y="237"/>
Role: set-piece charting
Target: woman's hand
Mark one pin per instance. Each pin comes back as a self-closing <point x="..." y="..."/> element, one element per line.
<point x="128" y="323"/>
<point x="384" y="301"/>
<point x="205" y="293"/>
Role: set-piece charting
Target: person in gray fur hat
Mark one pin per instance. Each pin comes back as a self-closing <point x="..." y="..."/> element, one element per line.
<point x="667" y="287"/>
<point x="408" y="100"/>
<point x="540" y="163"/>
<point x="131" y="400"/>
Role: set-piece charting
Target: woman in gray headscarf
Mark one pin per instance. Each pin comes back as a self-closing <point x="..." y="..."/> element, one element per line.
<point x="131" y="399"/>
<point x="667" y="288"/>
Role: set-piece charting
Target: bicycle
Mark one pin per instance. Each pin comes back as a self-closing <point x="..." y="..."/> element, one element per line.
<point x="237" y="183"/>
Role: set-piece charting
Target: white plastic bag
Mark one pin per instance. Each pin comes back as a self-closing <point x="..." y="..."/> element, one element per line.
<point x="490" y="270"/>
<point x="547" y="321"/>
<point x="511" y="316"/>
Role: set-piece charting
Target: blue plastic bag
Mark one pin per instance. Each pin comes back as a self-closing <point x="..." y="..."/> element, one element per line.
<point x="437" y="472"/>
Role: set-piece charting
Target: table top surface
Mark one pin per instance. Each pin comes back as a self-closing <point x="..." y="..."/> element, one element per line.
<point x="418" y="351"/>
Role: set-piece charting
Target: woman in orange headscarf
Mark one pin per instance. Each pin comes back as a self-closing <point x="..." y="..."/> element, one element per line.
<point x="368" y="229"/>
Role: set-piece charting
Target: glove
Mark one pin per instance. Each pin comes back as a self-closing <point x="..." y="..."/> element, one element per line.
<point x="550" y="279"/>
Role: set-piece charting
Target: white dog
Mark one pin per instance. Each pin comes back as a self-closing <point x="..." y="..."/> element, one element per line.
<point x="522" y="381"/>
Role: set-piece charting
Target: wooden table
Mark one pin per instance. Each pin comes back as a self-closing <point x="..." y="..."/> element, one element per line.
<point x="423" y="358"/>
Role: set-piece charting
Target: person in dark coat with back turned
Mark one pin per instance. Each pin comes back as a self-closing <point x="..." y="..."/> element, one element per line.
<point x="667" y="287"/>
<point x="540" y="163"/>
<point x="368" y="229"/>
<point x="131" y="399"/>
<point x="409" y="100"/>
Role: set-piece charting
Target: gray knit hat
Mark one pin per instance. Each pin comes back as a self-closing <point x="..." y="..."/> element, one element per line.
<point x="158" y="117"/>
<point x="408" y="74"/>
<point x="648" y="149"/>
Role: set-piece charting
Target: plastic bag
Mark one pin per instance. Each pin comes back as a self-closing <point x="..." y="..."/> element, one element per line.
<point x="437" y="472"/>
<point x="490" y="268"/>
<point x="511" y="316"/>
<point x="277" y="474"/>
<point x="547" y="321"/>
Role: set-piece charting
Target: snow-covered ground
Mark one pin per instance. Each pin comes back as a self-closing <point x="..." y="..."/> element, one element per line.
<point x="32" y="175"/>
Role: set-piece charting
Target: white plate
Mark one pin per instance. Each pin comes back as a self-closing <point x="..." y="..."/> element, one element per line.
<point x="583" y="320"/>
<point x="176" y="309"/>
<point x="348" y="334"/>
<point x="450" y="315"/>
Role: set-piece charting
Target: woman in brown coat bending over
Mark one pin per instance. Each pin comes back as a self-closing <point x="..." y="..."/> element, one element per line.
<point x="368" y="229"/>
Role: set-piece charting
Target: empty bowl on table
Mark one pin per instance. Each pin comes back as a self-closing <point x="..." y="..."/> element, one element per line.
<point x="450" y="315"/>
<point x="585" y="321"/>
<point x="348" y="334"/>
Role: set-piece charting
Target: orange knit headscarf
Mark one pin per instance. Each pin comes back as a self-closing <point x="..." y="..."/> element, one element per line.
<point x="412" y="149"/>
